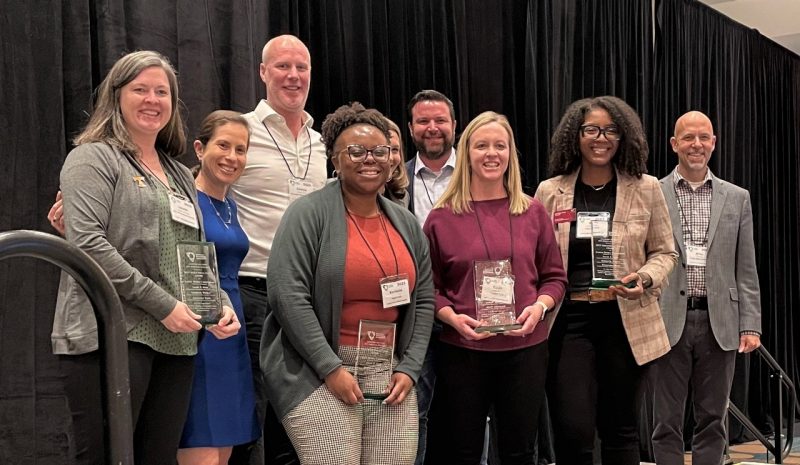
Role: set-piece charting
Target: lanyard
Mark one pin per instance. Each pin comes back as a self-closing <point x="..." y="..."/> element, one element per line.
<point x="308" y="161"/>
<point x="169" y="189"/>
<point x="683" y="216"/>
<point x="427" y="192"/>
<point x="385" y="231"/>
<point x="483" y="238"/>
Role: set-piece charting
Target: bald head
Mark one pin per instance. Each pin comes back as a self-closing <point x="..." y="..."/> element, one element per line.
<point x="693" y="142"/>
<point x="286" y="71"/>
<point x="286" y="41"/>
<point x="692" y="117"/>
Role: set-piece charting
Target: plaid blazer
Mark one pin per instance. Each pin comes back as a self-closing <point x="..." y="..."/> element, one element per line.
<point x="641" y="213"/>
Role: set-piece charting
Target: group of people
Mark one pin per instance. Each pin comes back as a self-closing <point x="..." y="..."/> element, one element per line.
<point x="483" y="296"/>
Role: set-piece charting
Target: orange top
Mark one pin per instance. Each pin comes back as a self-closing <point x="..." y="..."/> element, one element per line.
<point x="368" y="239"/>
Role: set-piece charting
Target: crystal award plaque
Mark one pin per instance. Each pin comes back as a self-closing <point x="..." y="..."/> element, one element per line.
<point x="375" y="357"/>
<point x="199" y="280"/>
<point x="608" y="264"/>
<point x="494" y="296"/>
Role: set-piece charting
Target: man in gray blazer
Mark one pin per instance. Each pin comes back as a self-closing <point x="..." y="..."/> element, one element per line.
<point x="712" y="305"/>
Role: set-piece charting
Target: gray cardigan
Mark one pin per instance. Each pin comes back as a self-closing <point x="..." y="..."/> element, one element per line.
<point x="304" y="287"/>
<point x="115" y="220"/>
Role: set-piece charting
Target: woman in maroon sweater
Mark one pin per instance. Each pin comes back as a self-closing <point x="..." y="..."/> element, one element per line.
<point x="495" y="351"/>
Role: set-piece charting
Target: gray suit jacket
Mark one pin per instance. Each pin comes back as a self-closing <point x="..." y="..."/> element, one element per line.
<point x="734" y="303"/>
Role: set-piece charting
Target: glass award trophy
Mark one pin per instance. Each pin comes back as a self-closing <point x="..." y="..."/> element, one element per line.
<point x="494" y="296"/>
<point x="608" y="265"/>
<point x="199" y="280"/>
<point x="374" y="358"/>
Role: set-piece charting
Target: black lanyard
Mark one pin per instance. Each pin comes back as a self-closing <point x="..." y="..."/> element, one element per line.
<point x="372" y="251"/>
<point x="483" y="238"/>
<point x="308" y="161"/>
<point x="683" y="215"/>
<point x="426" y="187"/>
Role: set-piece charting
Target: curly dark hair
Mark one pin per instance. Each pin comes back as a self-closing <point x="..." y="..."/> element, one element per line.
<point x="631" y="157"/>
<point x="346" y="116"/>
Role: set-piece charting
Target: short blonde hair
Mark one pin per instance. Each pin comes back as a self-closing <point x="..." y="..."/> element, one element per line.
<point x="457" y="195"/>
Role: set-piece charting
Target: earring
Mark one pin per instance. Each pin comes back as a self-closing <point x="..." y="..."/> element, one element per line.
<point x="335" y="174"/>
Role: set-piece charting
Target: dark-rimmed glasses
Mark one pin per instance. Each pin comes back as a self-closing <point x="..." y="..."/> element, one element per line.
<point x="593" y="132"/>
<point x="358" y="153"/>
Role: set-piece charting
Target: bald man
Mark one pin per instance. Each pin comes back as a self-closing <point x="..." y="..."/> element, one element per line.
<point x="286" y="160"/>
<point x="712" y="306"/>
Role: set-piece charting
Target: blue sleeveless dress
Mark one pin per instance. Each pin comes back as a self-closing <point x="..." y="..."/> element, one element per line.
<point x="222" y="410"/>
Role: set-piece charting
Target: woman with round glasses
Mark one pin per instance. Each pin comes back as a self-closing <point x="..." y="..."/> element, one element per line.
<point x="605" y="332"/>
<point x="350" y="307"/>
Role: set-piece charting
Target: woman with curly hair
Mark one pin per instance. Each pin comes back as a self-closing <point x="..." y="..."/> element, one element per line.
<point x="345" y="257"/>
<point x="603" y="335"/>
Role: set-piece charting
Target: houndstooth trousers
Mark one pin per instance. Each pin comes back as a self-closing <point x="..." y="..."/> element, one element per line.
<point x="326" y="431"/>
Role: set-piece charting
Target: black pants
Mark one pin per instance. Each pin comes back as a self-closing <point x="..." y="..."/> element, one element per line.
<point x="160" y="391"/>
<point x="593" y="384"/>
<point x="274" y="447"/>
<point x="469" y="382"/>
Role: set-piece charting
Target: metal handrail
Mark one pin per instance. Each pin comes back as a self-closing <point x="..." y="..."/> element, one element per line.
<point x="780" y="378"/>
<point x="111" y="326"/>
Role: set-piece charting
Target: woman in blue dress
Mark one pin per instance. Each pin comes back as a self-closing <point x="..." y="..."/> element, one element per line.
<point x="222" y="410"/>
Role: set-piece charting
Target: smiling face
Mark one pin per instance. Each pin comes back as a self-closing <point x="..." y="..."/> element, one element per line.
<point x="600" y="151"/>
<point x="694" y="141"/>
<point x="397" y="155"/>
<point x="222" y="159"/>
<point x="432" y="129"/>
<point x="364" y="178"/>
<point x="146" y="103"/>
<point x="286" y="71"/>
<point x="488" y="154"/>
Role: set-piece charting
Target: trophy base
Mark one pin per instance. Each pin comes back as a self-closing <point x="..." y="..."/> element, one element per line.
<point x="497" y="328"/>
<point x="375" y="396"/>
<point x="210" y="320"/>
<point x="603" y="284"/>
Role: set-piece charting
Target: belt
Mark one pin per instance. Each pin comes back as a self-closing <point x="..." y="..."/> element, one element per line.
<point x="697" y="303"/>
<point x="593" y="295"/>
<point x="253" y="281"/>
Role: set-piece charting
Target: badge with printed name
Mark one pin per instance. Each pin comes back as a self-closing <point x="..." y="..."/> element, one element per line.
<point x="696" y="255"/>
<point x="498" y="289"/>
<point x="182" y="210"/>
<point x="299" y="188"/>
<point x="565" y="216"/>
<point x="592" y="224"/>
<point x="395" y="290"/>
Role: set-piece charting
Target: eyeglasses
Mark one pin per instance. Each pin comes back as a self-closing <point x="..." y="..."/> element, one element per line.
<point x="592" y="131"/>
<point x="358" y="153"/>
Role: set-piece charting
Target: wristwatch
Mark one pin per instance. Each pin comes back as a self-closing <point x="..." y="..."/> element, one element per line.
<point x="647" y="281"/>
<point x="545" y="308"/>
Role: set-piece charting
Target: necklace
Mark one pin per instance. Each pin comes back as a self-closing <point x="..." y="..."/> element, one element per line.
<point x="227" y="205"/>
<point x="598" y="188"/>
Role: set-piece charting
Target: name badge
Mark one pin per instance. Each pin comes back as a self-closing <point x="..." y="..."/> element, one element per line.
<point x="592" y="224"/>
<point x="182" y="210"/>
<point x="565" y="216"/>
<point x="299" y="188"/>
<point x="696" y="255"/>
<point x="395" y="291"/>
<point x="498" y="289"/>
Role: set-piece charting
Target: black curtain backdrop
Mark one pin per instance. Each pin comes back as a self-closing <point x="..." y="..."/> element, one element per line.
<point x="526" y="59"/>
<point x="750" y="88"/>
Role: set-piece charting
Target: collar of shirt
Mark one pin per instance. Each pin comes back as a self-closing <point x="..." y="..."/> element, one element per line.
<point x="419" y="165"/>
<point x="676" y="177"/>
<point x="265" y="112"/>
